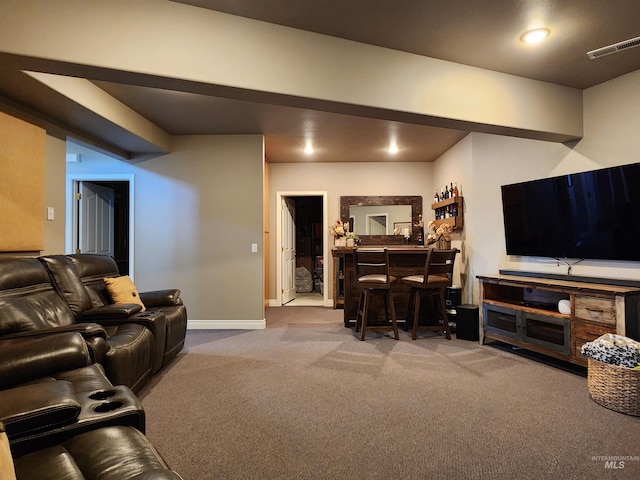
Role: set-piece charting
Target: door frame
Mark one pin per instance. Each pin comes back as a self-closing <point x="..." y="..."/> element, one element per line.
<point x="71" y="227"/>
<point x="325" y="246"/>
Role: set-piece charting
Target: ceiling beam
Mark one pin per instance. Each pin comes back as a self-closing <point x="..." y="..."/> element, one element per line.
<point x="191" y="48"/>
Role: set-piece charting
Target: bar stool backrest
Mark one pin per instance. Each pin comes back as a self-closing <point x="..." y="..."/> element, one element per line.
<point x="438" y="266"/>
<point x="371" y="268"/>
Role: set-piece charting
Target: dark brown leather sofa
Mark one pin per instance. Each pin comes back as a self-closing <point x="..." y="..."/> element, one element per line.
<point x="93" y="302"/>
<point x="50" y="390"/>
<point x="70" y="423"/>
<point x="31" y="307"/>
<point x="66" y="367"/>
<point x="123" y="453"/>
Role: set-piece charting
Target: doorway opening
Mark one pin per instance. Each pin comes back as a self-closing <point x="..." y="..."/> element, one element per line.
<point x="302" y="249"/>
<point x="100" y="217"/>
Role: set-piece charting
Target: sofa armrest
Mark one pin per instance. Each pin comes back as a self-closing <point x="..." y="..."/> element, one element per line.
<point x="25" y="359"/>
<point x="113" y="311"/>
<point x="38" y="407"/>
<point x="161" y="298"/>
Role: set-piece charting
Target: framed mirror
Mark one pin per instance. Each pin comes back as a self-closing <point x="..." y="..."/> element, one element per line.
<point x="382" y="220"/>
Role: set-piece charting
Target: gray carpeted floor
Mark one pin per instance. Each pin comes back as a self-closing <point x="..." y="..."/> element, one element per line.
<point x="305" y="399"/>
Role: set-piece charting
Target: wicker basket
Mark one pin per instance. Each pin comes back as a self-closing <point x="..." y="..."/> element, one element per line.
<point x="614" y="387"/>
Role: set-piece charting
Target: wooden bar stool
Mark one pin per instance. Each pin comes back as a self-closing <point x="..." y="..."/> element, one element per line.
<point x="371" y="273"/>
<point x="438" y="275"/>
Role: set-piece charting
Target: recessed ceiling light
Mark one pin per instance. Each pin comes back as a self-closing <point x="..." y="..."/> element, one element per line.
<point x="308" y="149"/>
<point x="393" y="148"/>
<point x="535" y="36"/>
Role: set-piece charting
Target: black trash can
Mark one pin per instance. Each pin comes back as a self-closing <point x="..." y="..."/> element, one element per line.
<point x="467" y="322"/>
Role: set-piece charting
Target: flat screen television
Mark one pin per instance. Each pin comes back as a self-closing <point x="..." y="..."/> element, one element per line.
<point x="588" y="215"/>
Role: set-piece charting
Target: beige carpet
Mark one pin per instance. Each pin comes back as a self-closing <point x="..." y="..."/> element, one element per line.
<point x="305" y="399"/>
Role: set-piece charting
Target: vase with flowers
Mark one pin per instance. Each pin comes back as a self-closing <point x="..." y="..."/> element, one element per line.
<point x="440" y="235"/>
<point x="352" y="239"/>
<point x="339" y="232"/>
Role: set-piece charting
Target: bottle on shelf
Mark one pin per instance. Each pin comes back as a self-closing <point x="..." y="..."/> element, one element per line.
<point x="455" y="190"/>
<point x="446" y="191"/>
<point x="436" y="197"/>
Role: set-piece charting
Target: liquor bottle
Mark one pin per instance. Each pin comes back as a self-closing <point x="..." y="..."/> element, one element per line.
<point x="446" y="191"/>
<point x="455" y="189"/>
<point x="451" y="190"/>
<point x="436" y="197"/>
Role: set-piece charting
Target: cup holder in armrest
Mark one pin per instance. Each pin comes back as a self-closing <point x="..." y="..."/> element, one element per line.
<point x="102" y="394"/>
<point x="107" y="407"/>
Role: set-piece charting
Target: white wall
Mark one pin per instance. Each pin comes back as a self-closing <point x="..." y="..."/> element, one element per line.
<point x="197" y="212"/>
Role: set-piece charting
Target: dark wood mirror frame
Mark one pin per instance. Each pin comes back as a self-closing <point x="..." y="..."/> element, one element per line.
<point x="416" y="211"/>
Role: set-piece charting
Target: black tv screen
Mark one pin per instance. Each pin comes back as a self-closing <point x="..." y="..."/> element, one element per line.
<point x="589" y="215"/>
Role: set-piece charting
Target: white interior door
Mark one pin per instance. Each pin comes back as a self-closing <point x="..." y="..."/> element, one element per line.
<point x="288" y="250"/>
<point x="376" y="225"/>
<point x="95" y="219"/>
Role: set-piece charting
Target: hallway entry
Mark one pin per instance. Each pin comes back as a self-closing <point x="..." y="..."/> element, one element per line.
<point x="302" y="248"/>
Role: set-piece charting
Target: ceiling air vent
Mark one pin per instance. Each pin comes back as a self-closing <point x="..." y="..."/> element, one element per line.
<point x="615" y="48"/>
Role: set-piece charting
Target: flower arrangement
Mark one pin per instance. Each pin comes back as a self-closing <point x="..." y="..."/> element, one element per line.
<point x="443" y="230"/>
<point x="339" y="229"/>
<point x="354" y="237"/>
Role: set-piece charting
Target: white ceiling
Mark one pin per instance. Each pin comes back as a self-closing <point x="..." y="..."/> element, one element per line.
<point x="478" y="33"/>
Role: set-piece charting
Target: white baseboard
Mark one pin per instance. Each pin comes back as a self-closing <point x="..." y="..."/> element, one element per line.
<point x="226" y="324"/>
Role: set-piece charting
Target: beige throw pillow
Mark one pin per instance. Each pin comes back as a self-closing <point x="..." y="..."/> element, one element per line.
<point x="122" y="290"/>
<point x="6" y="462"/>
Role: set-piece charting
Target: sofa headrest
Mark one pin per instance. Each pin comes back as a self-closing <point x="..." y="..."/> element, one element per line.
<point x="67" y="282"/>
<point x="18" y="272"/>
<point x="94" y="267"/>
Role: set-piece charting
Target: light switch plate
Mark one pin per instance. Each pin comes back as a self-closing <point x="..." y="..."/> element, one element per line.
<point x="254" y="248"/>
<point x="50" y="213"/>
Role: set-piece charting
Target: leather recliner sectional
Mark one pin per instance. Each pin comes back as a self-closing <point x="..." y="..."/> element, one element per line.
<point x="65" y="420"/>
<point x="57" y="293"/>
<point x="91" y="270"/>
<point x="30" y="306"/>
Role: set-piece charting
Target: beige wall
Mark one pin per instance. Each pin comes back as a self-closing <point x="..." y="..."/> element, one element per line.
<point x="197" y="212"/>
<point x="189" y="233"/>
<point x="456" y="165"/>
<point x="344" y="179"/>
<point x="54" y="194"/>
<point x="612" y="122"/>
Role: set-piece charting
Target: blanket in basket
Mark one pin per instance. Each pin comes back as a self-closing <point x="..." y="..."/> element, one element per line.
<point x="613" y="349"/>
